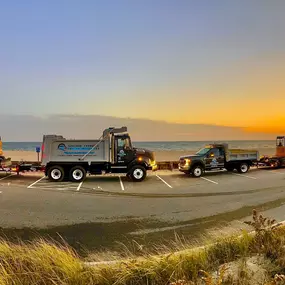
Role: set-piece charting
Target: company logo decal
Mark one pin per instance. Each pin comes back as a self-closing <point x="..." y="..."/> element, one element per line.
<point x="62" y="146"/>
<point x="74" y="150"/>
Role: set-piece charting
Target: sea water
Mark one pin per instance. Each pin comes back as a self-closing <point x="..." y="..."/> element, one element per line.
<point x="161" y="146"/>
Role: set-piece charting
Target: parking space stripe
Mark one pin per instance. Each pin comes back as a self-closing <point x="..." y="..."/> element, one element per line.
<point x="55" y="186"/>
<point x="209" y="180"/>
<point x="163" y="181"/>
<point x="276" y="172"/>
<point x="242" y="175"/>
<point x="30" y="186"/>
<point x="121" y="182"/>
<point x="6" y="177"/>
<point x="79" y="186"/>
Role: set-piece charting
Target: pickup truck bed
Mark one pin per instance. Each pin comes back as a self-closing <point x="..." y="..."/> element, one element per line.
<point x="242" y="154"/>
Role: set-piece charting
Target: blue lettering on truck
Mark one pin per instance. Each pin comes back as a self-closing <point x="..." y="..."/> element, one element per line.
<point x="76" y="150"/>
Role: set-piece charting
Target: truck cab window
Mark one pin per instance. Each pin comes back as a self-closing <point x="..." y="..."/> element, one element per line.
<point x="121" y="143"/>
<point x="221" y="152"/>
<point x="280" y="142"/>
<point x="215" y="152"/>
<point x="124" y="143"/>
<point x="203" y="151"/>
<point x="127" y="143"/>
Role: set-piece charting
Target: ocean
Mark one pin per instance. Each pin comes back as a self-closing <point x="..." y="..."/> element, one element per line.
<point x="160" y="146"/>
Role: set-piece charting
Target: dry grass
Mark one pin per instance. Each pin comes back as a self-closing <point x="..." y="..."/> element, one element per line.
<point x="44" y="263"/>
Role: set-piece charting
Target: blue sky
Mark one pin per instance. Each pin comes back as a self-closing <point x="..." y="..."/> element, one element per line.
<point x="161" y="60"/>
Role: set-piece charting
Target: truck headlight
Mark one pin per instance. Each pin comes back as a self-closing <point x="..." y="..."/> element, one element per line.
<point x="187" y="161"/>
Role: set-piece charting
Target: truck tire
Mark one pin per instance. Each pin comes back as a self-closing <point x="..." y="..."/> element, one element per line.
<point x="243" y="167"/>
<point x="56" y="173"/>
<point x="197" y="171"/>
<point x="77" y="174"/>
<point x="137" y="173"/>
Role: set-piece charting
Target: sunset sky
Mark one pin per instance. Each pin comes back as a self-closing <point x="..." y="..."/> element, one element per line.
<point x="191" y="62"/>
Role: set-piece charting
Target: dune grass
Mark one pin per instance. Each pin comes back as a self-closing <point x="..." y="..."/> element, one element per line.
<point x="45" y="263"/>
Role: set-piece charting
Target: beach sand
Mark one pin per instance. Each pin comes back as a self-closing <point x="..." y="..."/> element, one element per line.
<point x="171" y="155"/>
<point x="18" y="155"/>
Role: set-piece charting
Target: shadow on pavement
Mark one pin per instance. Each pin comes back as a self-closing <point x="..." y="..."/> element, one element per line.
<point x="88" y="237"/>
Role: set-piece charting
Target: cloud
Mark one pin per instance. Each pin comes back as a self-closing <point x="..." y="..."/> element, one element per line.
<point x="32" y="128"/>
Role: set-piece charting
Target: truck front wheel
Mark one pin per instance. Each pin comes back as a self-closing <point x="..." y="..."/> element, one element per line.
<point x="243" y="168"/>
<point x="77" y="174"/>
<point x="197" y="171"/>
<point x="56" y="173"/>
<point x="138" y="173"/>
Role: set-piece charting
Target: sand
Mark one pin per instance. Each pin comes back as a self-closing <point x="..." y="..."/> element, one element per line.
<point x="159" y="155"/>
<point x="17" y="155"/>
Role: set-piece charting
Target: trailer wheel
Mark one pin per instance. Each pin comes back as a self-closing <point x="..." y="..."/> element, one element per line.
<point x="56" y="173"/>
<point x="77" y="174"/>
<point x="138" y="173"/>
<point x="243" y="168"/>
<point x="197" y="171"/>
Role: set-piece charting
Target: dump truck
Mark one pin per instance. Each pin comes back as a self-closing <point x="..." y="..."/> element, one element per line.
<point x="218" y="156"/>
<point x="277" y="160"/>
<point x="111" y="153"/>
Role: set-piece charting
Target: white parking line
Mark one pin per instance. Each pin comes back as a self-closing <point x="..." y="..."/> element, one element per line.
<point x="242" y="175"/>
<point x="30" y="186"/>
<point x="276" y="172"/>
<point x="163" y="181"/>
<point x="6" y="177"/>
<point x="79" y="186"/>
<point x="122" y="185"/>
<point x="209" y="180"/>
<point x="50" y="184"/>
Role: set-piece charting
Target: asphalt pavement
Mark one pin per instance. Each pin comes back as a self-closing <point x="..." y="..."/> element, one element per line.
<point x="105" y="209"/>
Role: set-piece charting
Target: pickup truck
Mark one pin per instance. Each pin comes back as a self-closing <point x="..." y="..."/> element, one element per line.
<point x="218" y="156"/>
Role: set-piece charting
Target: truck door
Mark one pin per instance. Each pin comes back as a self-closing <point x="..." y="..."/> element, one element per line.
<point x="123" y="150"/>
<point x="215" y="158"/>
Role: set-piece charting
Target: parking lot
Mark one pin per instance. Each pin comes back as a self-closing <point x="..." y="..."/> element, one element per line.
<point x="111" y="207"/>
<point x="159" y="183"/>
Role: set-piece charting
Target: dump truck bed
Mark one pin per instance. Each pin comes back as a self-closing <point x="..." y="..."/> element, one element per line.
<point x="242" y="154"/>
<point x="74" y="150"/>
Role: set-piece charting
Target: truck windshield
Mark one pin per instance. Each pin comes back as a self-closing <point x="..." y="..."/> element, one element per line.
<point x="280" y="142"/>
<point x="128" y="143"/>
<point x="203" y="151"/>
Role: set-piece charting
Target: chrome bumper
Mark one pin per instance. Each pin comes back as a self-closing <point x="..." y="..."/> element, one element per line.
<point x="183" y="168"/>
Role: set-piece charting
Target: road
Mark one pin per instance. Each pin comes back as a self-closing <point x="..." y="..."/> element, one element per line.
<point x="106" y="209"/>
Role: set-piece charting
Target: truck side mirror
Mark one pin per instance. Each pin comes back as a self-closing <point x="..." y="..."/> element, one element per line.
<point x="211" y="155"/>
